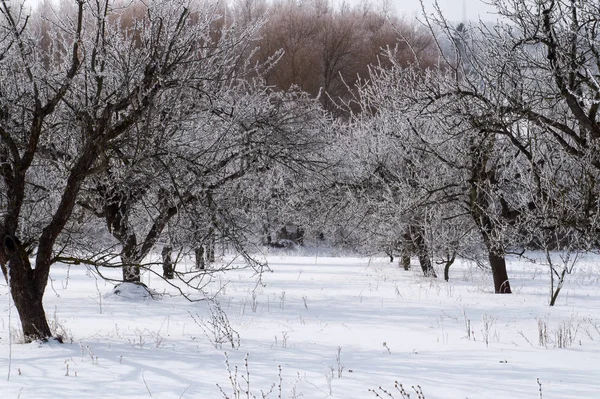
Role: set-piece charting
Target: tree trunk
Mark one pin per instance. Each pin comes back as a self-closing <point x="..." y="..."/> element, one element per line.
<point x="199" y="254"/>
<point x="168" y="266"/>
<point x="449" y="262"/>
<point x="131" y="274"/>
<point x="480" y="197"/>
<point x="31" y="312"/>
<point x="561" y="280"/>
<point x="498" y="265"/>
<point x="210" y="249"/>
<point x="426" y="265"/>
<point x="447" y="269"/>
<point x="27" y="298"/>
<point x="405" y="261"/>
<point x="423" y="252"/>
<point x="131" y="270"/>
<point x="266" y="235"/>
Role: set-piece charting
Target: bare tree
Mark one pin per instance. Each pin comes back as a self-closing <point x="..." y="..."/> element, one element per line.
<point x="326" y="49"/>
<point x="528" y="85"/>
<point x="59" y="119"/>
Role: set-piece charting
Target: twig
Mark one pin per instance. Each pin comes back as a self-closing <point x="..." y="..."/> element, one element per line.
<point x="526" y="339"/>
<point x="146" y="384"/>
<point x="183" y="393"/>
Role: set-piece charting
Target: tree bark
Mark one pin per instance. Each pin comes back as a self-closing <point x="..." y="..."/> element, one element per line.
<point x="26" y="296"/>
<point x="481" y="182"/>
<point x="199" y="254"/>
<point x="449" y="263"/>
<point x="426" y="265"/>
<point x="131" y="274"/>
<point x="407" y="249"/>
<point x="131" y="270"/>
<point x="554" y="293"/>
<point x="423" y="252"/>
<point x="405" y="261"/>
<point x="210" y="249"/>
<point x="168" y="267"/>
<point x="498" y="265"/>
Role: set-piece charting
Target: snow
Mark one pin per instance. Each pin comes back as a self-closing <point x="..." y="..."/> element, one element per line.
<point x="384" y="323"/>
<point x="131" y="291"/>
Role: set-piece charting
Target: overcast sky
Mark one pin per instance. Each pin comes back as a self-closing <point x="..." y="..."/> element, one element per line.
<point x="452" y="9"/>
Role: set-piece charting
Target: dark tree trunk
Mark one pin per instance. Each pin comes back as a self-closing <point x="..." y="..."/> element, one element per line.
<point x="482" y="181"/>
<point x="168" y="266"/>
<point x="407" y="249"/>
<point x="210" y="249"/>
<point x="554" y="296"/>
<point x="300" y="239"/>
<point x="405" y="261"/>
<point x="131" y="274"/>
<point x="498" y="265"/>
<point x="266" y="235"/>
<point x="426" y="265"/>
<point x="199" y="254"/>
<point x="116" y="213"/>
<point x="422" y="252"/>
<point x="449" y="263"/>
<point x="131" y="270"/>
<point x="26" y="296"/>
<point x="31" y="312"/>
<point x="116" y="210"/>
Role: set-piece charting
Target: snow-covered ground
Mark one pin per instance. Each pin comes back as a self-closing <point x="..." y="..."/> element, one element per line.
<point x="320" y="327"/>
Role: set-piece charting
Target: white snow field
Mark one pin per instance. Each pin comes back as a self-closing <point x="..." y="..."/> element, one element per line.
<point x="319" y="328"/>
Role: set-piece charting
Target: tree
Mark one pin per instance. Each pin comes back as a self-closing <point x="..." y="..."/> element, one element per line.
<point x="529" y="84"/>
<point x="60" y="117"/>
<point x="437" y="152"/>
<point x="395" y="180"/>
<point x="326" y="49"/>
<point x="203" y="174"/>
<point x="168" y="160"/>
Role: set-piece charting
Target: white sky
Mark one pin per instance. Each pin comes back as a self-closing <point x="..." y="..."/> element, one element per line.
<point x="452" y="9"/>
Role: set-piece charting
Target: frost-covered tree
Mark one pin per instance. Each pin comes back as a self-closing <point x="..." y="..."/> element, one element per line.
<point x="441" y="162"/>
<point x="527" y="87"/>
<point x="44" y="159"/>
<point x="185" y="147"/>
<point x="83" y="99"/>
<point x="197" y="181"/>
